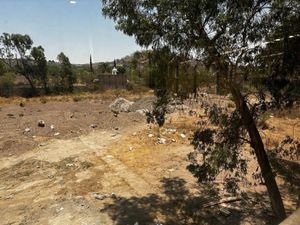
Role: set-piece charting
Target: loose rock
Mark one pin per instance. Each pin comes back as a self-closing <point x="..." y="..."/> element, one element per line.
<point x="41" y="123"/>
<point x="121" y="105"/>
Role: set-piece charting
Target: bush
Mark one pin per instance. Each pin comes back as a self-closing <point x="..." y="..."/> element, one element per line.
<point x="6" y="84"/>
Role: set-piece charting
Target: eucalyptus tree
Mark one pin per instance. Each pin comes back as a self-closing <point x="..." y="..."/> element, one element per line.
<point x="224" y="34"/>
<point x="15" y="53"/>
<point x="40" y="66"/>
<point x="66" y="72"/>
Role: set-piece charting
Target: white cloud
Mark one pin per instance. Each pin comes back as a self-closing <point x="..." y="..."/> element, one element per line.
<point x="73" y="2"/>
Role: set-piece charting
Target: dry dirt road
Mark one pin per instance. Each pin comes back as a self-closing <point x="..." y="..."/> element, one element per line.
<point x="114" y="173"/>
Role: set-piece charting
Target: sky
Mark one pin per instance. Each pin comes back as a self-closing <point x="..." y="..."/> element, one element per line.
<point x="75" y="27"/>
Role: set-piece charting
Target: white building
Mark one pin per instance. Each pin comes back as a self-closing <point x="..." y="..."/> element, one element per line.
<point x="114" y="71"/>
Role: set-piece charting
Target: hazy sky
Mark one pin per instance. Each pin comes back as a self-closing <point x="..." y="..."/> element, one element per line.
<point x="60" y="25"/>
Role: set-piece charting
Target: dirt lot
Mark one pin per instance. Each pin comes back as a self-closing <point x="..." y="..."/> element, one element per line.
<point x="94" y="167"/>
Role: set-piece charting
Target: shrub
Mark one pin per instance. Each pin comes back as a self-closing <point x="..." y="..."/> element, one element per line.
<point x="6" y="84"/>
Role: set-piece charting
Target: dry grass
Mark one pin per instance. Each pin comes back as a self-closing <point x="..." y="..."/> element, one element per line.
<point x="106" y="95"/>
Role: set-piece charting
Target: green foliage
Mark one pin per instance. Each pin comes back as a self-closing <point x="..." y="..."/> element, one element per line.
<point x="2" y="68"/>
<point x="40" y="66"/>
<point x="219" y="148"/>
<point x="6" y="84"/>
<point x="17" y="53"/>
<point x="66" y="73"/>
<point x="104" y="68"/>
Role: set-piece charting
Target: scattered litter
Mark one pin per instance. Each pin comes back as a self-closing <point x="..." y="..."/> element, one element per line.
<point x="182" y="135"/>
<point x="101" y="196"/>
<point x="171" y="170"/>
<point x="171" y="131"/>
<point x="93" y="126"/>
<point x="161" y="141"/>
<point x="224" y="200"/>
<point x="70" y="164"/>
<point x="60" y="209"/>
<point x="56" y="134"/>
<point x="27" y="130"/>
<point x="41" y="123"/>
<point x="150" y="135"/>
<point x="157" y="222"/>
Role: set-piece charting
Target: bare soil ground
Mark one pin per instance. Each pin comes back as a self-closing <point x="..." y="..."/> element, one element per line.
<point x="115" y="172"/>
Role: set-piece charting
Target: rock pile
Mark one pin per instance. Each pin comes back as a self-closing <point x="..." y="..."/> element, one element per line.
<point x="120" y="105"/>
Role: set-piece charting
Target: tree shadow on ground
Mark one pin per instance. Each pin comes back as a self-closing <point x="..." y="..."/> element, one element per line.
<point x="177" y="205"/>
<point x="289" y="170"/>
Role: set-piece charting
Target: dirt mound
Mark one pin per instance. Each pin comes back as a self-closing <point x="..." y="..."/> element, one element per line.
<point x="121" y="105"/>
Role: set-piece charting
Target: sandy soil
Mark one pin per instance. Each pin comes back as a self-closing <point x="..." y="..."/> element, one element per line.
<point x="114" y="173"/>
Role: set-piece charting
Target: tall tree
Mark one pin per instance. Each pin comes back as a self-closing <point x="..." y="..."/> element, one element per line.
<point x="91" y="64"/>
<point x="221" y="34"/>
<point x="40" y="66"/>
<point x="15" y="53"/>
<point x="67" y="74"/>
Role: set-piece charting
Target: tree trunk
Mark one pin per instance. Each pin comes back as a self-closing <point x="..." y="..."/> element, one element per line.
<point x="263" y="161"/>
<point x="195" y="80"/>
<point x="33" y="89"/>
<point x="218" y="88"/>
<point x="176" y="77"/>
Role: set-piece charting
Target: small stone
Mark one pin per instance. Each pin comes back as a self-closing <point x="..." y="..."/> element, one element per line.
<point x="52" y="127"/>
<point x="93" y="126"/>
<point x="173" y="140"/>
<point x="56" y="134"/>
<point x="161" y="141"/>
<point x="41" y="123"/>
<point x="150" y="135"/>
<point x="134" y="134"/>
<point x="10" y="115"/>
<point x="130" y="148"/>
<point x="182" y="135"/>
<point x="22" y="104"/>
